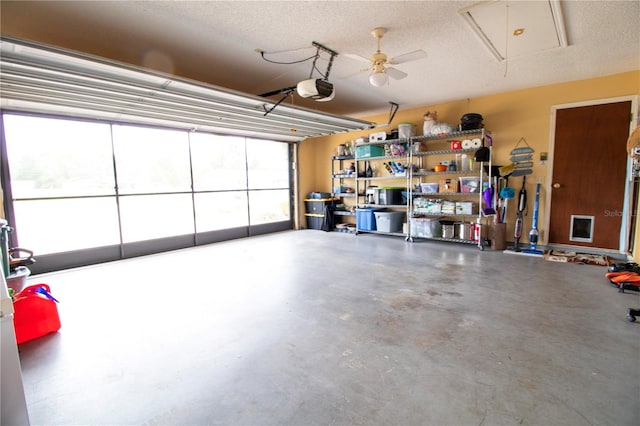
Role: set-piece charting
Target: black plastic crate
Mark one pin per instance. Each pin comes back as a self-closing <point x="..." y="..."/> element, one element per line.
<point x="314" y="221"/>
<point x="390" y="196"/>
<point x="316" y="206"/>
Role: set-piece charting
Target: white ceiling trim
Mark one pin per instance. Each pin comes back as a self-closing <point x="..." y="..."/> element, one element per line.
<point x="43" y="79"/>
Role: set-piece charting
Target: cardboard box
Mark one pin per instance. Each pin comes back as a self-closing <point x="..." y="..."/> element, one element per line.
<point x="427" y="206"/>
<point x="448" y="207"/>
<point x="465" y="207"/>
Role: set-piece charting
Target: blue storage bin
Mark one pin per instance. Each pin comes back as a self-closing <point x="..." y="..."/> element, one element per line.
<point x="366" y="219"/>
<point x="367" y="151"/>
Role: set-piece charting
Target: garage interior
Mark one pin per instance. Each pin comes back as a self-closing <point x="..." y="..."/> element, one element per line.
<point x="281" y="324"/>
<point x="308" y="327"/>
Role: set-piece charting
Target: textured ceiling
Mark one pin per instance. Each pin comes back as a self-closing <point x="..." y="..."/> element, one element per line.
<point x="215" y="42"/>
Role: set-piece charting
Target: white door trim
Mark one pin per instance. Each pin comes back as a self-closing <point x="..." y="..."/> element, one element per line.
<point x="627" y="214"/>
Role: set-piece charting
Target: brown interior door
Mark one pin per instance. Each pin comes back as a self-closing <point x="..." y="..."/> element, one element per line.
<point x="589" y="172"/>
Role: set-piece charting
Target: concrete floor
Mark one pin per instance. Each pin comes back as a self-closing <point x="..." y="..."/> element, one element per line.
<point x="315" y="328"/>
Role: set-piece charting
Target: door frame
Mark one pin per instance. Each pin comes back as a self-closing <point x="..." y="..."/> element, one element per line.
<point x="627" y="213"/>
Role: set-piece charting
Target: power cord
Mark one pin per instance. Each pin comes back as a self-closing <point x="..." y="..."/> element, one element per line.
<point x="262" y="53"/>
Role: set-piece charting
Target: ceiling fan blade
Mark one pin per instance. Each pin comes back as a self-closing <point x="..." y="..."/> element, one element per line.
<point x="408" y="57"/>
<point x="356" y="57"/>
<point x="396" y="74"/>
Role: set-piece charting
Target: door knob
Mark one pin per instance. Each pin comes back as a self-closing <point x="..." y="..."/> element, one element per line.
<point x="556" y="185"/>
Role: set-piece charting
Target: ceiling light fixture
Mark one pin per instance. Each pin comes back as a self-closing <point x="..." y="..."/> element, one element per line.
<point x="378" y="78"/>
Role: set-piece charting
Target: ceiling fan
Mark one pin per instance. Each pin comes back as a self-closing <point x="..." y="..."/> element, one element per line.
<point x="380" y="72"/>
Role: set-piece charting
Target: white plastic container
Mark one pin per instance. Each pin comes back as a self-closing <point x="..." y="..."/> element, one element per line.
<point x="406" y="130"/>
<point x="425" y="227"/>
<point x="429" y="187"/>
<point x="464" y="163"/>
<point x="389" y="221"/>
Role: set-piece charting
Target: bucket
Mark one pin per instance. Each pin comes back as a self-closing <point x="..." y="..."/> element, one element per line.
<point x="448" y="231"/>
<point x="465" y="230"/>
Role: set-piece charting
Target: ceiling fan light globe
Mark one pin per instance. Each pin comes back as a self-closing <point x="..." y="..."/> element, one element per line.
<point x="378" y="79"/>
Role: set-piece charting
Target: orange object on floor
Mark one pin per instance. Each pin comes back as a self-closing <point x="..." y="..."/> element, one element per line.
<point x="623" y="277"/>
<point x="35" y="313"/>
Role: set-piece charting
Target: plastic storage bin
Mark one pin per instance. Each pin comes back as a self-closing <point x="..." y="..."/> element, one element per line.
<point x="406" y="130"/>
<point x="389" y="221"/>
<point x="366" y="151"/>
<point x="429" y="188"/>
<point x="469" y="184"/>
<point x="17" y="279"/>
<point x="316" y="205"/>
<point x="316" y="195"/>
<point x="365" y="218"/>
<point x="390" y="196"/>
<point x="425" y="227"/>
<point x="314" y="220"/>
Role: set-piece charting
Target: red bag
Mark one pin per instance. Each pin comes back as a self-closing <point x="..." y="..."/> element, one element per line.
<point x="35" y="313"/>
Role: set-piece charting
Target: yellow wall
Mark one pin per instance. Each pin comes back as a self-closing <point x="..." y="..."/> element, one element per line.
<point x="509" y="116"/>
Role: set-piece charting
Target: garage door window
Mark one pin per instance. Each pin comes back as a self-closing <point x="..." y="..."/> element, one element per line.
<point x="76" y="184"/>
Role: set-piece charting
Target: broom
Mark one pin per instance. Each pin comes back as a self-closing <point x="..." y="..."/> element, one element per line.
<point x="506" y="194"/>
